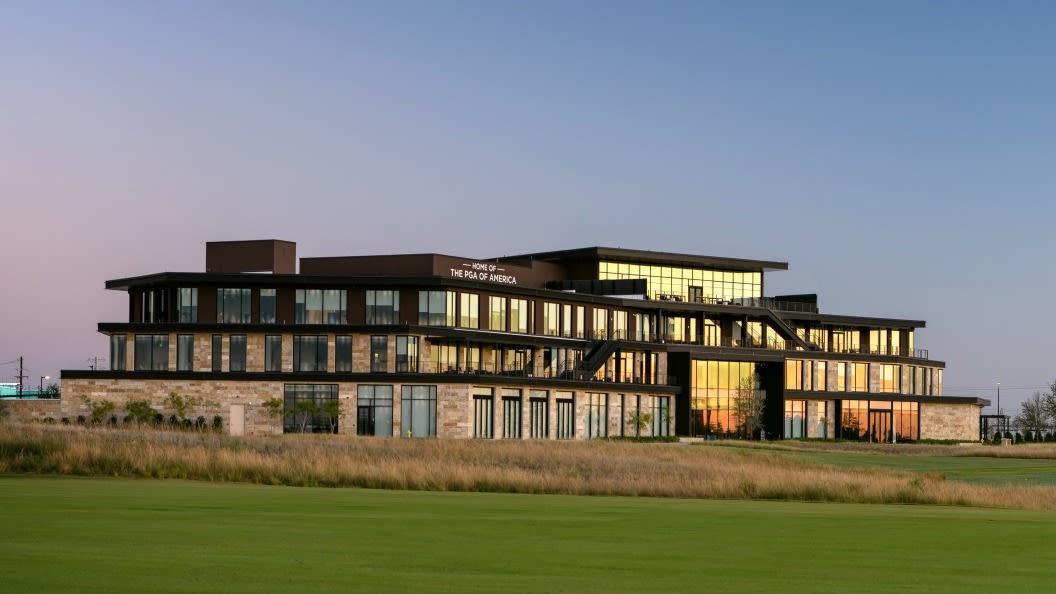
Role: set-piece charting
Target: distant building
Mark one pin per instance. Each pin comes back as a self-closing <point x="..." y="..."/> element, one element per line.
<point x="573" y="344"/>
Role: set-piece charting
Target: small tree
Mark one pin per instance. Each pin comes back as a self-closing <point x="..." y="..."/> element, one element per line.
<point x="1033" y="416"/>
<point x="182" y="406"/>
<point x="639" y="421"/>
<point x="332" y="409"/>
<point x="141" y="411"/>
<point x="3" y="410"/>
<point x="303" y="412"/>
<point x="100" y="410"/>
<point x="274" y="407"/>
<point x="52" y="391"/>
<point x="748" y="405"/>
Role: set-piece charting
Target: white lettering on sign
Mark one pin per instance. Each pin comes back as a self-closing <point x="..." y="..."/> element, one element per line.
<point x="483" y="271"/>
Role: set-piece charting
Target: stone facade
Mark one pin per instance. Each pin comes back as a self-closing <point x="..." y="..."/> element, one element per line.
<point x="949" y="421"/>
<point x="30" y="411"/>
<point x="245" y="397"/>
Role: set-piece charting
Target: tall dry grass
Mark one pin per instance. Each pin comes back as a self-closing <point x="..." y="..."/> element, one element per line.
<point x="575" y="468"/>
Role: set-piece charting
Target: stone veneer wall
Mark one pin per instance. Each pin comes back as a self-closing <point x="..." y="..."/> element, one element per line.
<point x="949" y="421"/>
<point x="454" y="406"/>
<point x="28" y="411"/>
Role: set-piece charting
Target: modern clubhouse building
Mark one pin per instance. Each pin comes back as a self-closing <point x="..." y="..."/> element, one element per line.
<point x="573" y="344"/>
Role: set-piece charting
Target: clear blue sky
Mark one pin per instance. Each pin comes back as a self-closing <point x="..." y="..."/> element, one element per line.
<point x="899" y="155"/>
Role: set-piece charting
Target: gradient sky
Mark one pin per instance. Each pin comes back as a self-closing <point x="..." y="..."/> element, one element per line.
<point x="899" y="155"/>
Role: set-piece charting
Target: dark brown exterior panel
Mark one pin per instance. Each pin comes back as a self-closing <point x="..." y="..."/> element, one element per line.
<point x="265" y="255"/>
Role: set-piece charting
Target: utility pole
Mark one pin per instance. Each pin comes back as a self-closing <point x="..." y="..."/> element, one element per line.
<point x="21" y="376"/>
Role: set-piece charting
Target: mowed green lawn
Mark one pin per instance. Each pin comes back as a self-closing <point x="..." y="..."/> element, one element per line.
<point x="977" y="469"/>
<point x="71" y="534"/>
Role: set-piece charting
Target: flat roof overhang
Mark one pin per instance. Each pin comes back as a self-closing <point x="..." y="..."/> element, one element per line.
<point x="651" y="257"/>
<point x="964" y="400"/>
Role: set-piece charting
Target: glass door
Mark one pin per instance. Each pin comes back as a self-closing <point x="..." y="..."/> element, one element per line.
<point x="880" y="426"/>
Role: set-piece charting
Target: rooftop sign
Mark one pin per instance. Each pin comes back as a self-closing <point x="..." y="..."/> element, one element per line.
<point x="483" y="271"/>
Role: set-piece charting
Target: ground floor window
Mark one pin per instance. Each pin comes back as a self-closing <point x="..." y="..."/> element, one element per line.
<point x="236" y="356"/>
<point x="511" y="413"/>
<point x="418" y="411"/>
<point x="311" y="408"/>
<point x="374" y="410"/>
<point x="539" y="414"/>
<point x="795" y="419"/>
<point x="184" y="352"/>
<point x="879" y="421"/>
<point x="597" y="419"/>
<point x="661" y="416"/>
<point x="566" y="416"/>
<point x="118" y="352"/>
<point x="483" y="413"/>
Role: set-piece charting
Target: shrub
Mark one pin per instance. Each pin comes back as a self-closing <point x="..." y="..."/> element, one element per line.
<point x="49" y="421"/>
<point x="218" y="423"/>
<point x="113" y="420"/>
<point x="65" y="420"/>
<point x="199" y="423"/>
<point x="158" y="419"/>
<point x="81" y="420"/>
<point x="140" y="410"/>
<point x="173" y="421"/>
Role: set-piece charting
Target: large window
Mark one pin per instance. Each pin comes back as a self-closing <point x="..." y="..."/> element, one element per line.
<point x="118" y="352"/>
<point x="601" y="323"/>
<point x="497" y="313"/>
<point x="520" y="316"/>
<point x="879" y="421"/>
<point x="684" y="284"/>
<point x="311" y="408"/>
<point x="233" y="306"/>
<point x="320" y="306"/>
<point x="152" y="352"/>
<point x="551" y="319"/>
<point x="185" y="352"/>
<point x="597" y="419"/>
<point x="619" y="325"/>
<point x="890" y="378"/>
<point x="379" y="354"/>
<point x="187" y="305"/>
<point x="566" y="415"/>
<point x="272" y="353"/>
<point x="483" y="413"/>
<point x="539" y="411"/>
<point x="309" y="353"/>
<point x="406" y="354"/>
<point x="343" y="354"/>
<point x="661" y="416"/>
<point x="716" y="386"/>
<point x="418" y="411"/>
<point x="793" y="374"/>
<point x="436" y="308"/>
<point x="469" y="310"/>
<point x="383" y="307"/>
<point x="511" y="413"/>
<point x="859" y="377"/>
<point x="795" y="419"/>
<point x="267" y="306"/>
<point x="237" y="353"/>
<point x="374" y="410"/>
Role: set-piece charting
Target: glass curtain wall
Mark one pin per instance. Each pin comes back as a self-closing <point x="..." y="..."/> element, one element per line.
<point x="684" y="284"/>
<point x="715" y="388"/>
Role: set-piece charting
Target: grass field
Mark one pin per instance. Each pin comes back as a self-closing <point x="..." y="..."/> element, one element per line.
<point x="73" y="534"/>
<point x="952" y="464"/>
